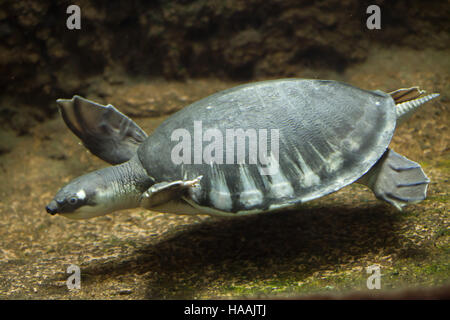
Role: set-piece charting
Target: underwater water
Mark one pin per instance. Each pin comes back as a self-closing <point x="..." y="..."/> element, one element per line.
<point x="150" y="60"/>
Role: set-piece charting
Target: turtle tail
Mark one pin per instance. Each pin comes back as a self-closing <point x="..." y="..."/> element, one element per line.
<point x="408" y="100"/>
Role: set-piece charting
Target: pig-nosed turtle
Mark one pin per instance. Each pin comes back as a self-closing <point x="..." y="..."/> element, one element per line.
<point x="213" y="156"/>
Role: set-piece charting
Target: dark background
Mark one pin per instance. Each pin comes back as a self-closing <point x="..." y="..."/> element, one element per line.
<point x="41" y="60"/>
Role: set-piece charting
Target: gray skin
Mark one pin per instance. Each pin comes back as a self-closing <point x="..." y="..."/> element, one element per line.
<point x="330" y="134"/>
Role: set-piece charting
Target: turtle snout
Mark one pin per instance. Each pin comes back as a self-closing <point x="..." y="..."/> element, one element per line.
<point x="52" y="207"/>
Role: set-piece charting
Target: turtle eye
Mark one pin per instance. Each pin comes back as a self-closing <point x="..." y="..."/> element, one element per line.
<point x="73" y="200"/>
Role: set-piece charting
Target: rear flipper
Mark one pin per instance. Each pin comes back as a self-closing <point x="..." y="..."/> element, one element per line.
<point x="397" y="180"/>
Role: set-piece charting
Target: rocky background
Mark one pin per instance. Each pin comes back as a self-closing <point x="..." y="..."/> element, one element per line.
<point x="120" y="41"/>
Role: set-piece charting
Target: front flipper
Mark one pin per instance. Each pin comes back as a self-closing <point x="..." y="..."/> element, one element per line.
<point x="165" y="192"/>
<point x="397" y="180"/>
<point x="104" y="130"/>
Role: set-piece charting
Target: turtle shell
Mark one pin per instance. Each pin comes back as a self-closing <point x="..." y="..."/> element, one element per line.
<point x="313" y="138"/>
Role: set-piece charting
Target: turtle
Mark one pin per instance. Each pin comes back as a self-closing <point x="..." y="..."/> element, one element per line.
<point x="258" y="147"/>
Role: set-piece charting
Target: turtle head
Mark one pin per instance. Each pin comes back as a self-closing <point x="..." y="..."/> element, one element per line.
<point x="84" y="197"/>
<point x="102" y="191"/>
